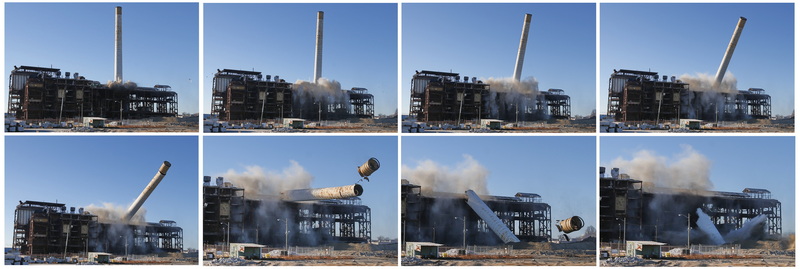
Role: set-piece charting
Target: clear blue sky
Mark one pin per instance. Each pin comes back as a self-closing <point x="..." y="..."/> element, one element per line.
<point x="159" y="43"/>
<point x="359" y="47"/>
<point x="736" y="162"/>
<point x="332" y="160"/>
<point x="677" y="39"/>
<point x="83" y="170"/>
<point x="560" y="169"/>
<point x="481" y="40"/>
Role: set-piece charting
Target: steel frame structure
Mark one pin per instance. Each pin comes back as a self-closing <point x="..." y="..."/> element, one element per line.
<point x="261" y="220"/>
<point x="42" y="228"/>
<point x="39" y="93"/>
<point x="248" y="95"/>
<point x="623" y="202"/>
<point x="524" y="214"/>
<point x="639" y="96"/>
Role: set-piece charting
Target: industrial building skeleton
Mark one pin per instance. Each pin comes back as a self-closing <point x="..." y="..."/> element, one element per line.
<point x="641" y="96"/>
<point x="443" y="97"/>
<point x="626" y="209"/>
<point x="440" y="218"/>
<point x="230" y="217"/>
<point x="240" y="95"/>
<point x="40" y="93"/>
<point x="42" y="228"/>
<point x="47" y="228"/>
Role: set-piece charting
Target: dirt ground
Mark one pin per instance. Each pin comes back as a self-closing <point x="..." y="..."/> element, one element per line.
<point x="765" y="261"/>
<point x="766" y="253"/>
<point x="338" y="258"/>
<point x="554" y="126"/>
<point x="150" y="125"/>
<point x="356" y="261"/>
<point x="750" y="126"/>
<point x="524" y="254"/>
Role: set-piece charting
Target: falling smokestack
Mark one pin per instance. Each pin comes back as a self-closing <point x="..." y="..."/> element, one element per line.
<point x="118" y="45"/>
<point x="729" y="52"/>
<point x="323" y="193"/>
<point x="523" y="42"/>
<point x="318" y="55"/>
<point x="147" y="191"/>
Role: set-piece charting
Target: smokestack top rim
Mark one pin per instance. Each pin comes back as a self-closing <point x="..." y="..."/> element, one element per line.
<point x="164" y="167"/>
<point x="358" y="190"/>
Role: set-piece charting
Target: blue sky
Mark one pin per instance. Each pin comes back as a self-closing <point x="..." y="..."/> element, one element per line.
<point x="359" y="46"/>
<point x="159" y="43"/>
<point x="560" y="169"/>
<point x="481" y="40"/>
<point x="83" y="170"/>
<point x="736" y="162"/>
<point x="332" y="160"/>
<point x="676" y="39"/>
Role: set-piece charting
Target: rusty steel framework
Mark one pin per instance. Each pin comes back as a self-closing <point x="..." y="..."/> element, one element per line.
<point x="439" y="217"/>
<point x="249" y="95"/>
<point x="240" y="95"/>
<point x="443" y="96"/>
<point x="42" y="228"/>
<point x="629" y="208"/>
<point x="40" y="93"/>
<point x="230" y="217"/>
<point x="362" y="103"/>
<point x="639" y="96"/>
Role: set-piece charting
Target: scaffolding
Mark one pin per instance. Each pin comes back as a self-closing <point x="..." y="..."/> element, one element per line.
<point x="39" y="93"/>
<point x="445" y="218"/>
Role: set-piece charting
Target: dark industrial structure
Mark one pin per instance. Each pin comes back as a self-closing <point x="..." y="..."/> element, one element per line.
<point x="443" y="96"/>
<point x="640" y="96"/>
<point x="230" y="217"/>
<point x="631" y="209"/>
<point x="42" y="228"/>
<point x="248" y="95"/>
<point x="39" y="93"/>
<point x="240" y="95"/>
<point x="447" y="218"/>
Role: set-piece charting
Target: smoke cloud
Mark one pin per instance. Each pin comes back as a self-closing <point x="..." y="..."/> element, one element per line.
<point x="258" y="183"/>
<point x="507" y="95"/>
<point x="435" y="177"/>
<point x="688" y="170"/>
<point x="707" y="100"/>
<point x="110" y="213"/>
<point x="704" y="82"/>
<point x="128" y="85"/>
<point x="308" y="95"/>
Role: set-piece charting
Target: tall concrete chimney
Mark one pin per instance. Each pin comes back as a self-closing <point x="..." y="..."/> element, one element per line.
<point x="318" y="55"/>
<point x="523" y="42"/>
<point x="162" y="171"/>
<point x="729" y="52"/>
<point x="118" y="45"/>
